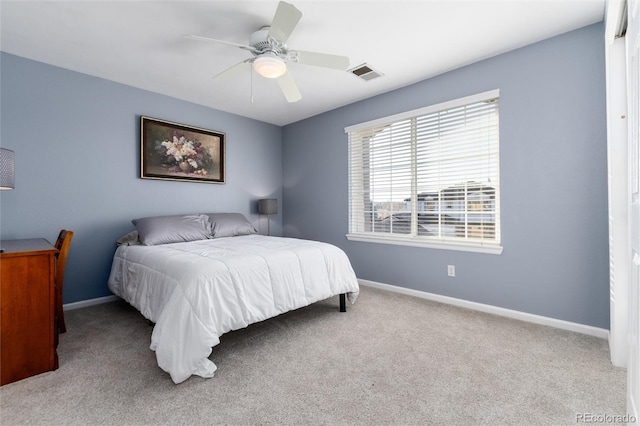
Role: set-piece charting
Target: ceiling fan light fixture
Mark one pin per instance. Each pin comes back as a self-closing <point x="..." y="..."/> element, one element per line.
<point x="269" y="66"/>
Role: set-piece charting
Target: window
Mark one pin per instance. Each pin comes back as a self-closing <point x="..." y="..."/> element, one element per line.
<point x="428" y="177"/>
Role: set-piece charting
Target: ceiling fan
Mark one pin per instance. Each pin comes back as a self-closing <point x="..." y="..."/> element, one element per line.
<point x="271" y="53"/>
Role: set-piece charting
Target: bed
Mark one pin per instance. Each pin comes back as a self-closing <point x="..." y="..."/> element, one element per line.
<point x="199" y="276"/>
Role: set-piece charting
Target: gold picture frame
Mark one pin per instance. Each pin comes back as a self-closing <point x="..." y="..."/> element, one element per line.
<point x="174" y="151"/>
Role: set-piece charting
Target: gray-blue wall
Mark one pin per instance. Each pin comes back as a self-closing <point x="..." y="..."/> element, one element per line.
<point x="76" y="140"/>
<point x="553" y="177"/>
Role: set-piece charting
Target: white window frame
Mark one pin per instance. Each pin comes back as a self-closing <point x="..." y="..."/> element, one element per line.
<point x="489" y="246"/>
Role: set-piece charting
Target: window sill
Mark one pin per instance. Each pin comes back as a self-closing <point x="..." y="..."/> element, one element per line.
<point x="434" y="244"/>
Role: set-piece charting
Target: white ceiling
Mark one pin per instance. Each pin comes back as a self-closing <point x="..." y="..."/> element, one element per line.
<point x="141" y="43"/>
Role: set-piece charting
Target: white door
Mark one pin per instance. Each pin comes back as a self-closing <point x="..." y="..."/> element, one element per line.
<point x="618" y="174"/>
<point x="633" y="82"/>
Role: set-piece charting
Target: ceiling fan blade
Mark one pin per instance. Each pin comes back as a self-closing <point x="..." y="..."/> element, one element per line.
<point x="233" y="70"/>
<point x="289" y="88"/>
<point x="284" y="21"/>
<point x="230" y="43"/>
<point x="322" y="60"/>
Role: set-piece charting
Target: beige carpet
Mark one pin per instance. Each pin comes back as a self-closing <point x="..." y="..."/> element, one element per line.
<point x="390" y="360"/>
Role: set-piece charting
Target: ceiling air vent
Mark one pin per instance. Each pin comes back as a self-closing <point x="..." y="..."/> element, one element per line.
<point x="365" y="72"/>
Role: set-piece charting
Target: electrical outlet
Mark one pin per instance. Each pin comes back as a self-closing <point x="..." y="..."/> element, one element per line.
<point x="451" y="270"/>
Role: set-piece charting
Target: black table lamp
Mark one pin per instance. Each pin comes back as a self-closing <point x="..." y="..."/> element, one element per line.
<point x="268" y="206"/>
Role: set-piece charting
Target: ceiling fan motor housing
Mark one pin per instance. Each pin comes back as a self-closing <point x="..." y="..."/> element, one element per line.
<point x="261" y="41"/>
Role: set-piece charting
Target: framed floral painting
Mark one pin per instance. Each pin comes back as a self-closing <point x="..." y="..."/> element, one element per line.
<point x="172" y="151"/>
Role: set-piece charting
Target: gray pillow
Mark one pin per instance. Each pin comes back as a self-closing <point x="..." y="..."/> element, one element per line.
<point x="130" y="239"/>
<point x="172" y="229"/>
<point x="230" y="225"/>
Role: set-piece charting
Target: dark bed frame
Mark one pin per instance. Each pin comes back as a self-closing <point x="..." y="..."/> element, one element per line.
<point x="343" y="305"/>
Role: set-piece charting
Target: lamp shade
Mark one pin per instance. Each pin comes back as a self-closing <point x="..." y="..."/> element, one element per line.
<point x="268" y="206"/>
<point x="7" y="169"/>
<point x="269" y="66"/>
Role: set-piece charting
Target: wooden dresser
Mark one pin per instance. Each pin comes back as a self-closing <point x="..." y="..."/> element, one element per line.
<point x="27" y="299"/>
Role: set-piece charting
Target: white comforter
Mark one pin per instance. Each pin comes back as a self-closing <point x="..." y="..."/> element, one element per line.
<point x="197" y="291"/>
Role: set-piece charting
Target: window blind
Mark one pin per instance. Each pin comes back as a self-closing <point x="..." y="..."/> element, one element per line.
<point x="428" y="174"/>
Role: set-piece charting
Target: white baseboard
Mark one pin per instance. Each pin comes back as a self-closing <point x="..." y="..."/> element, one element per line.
<point x="90" y="302"/>
<point x="522" y="316"/>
